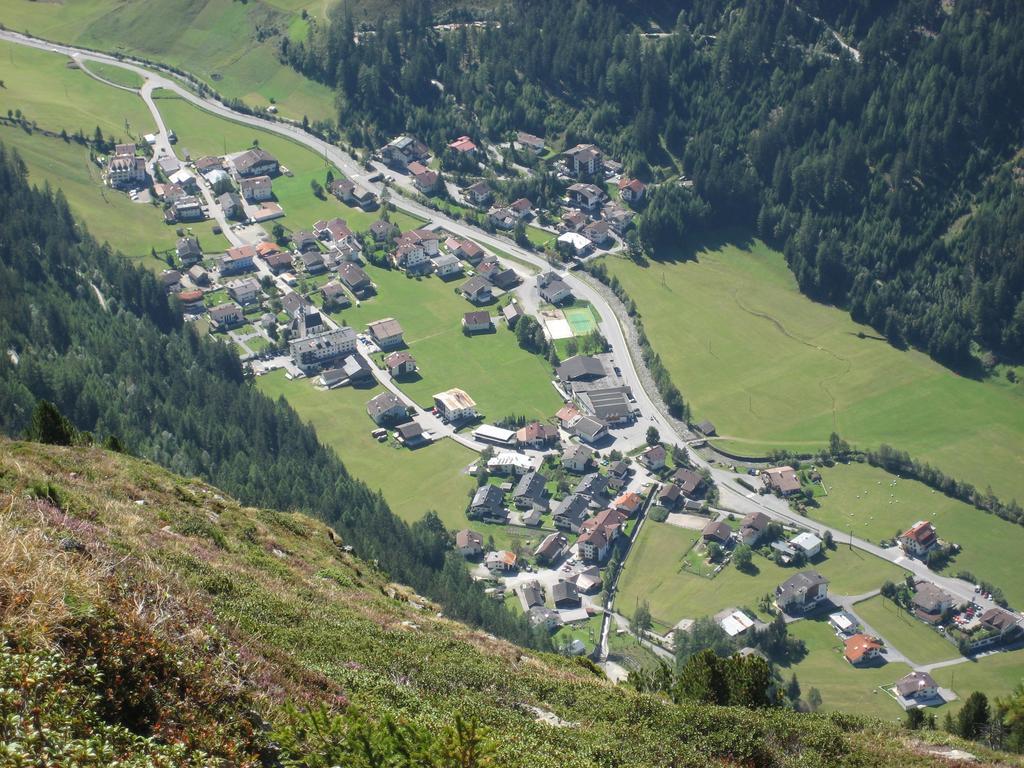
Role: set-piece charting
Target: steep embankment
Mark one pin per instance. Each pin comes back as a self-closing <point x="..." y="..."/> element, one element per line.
<point x="146" y="616"/>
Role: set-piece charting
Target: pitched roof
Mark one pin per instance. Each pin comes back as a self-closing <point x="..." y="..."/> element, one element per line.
<point x="923" y="532"/>
<point x="396" y="359"/>
<point x="687" y="480"/>
<point x="383" y="403"/>
<point x="477" y="317"/>
<point x="553" y="544"/>
<point x="385" y="328"/>
<point x="467" y="538"/>
<point x="914" y="683"/>
<point x="580" y="367"/>
<point x="720" y="532"/>
<point x="563" y="591"/>
<point x="628" y="502"/>
<point x="860" y="645"/>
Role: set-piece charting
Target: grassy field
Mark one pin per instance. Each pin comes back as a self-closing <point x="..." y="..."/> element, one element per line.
<point x="502" y="378"/>
<point x="222" y="42"/>
<point x="995" y="675"/>
<point x="653" y="573"/>
<point x="132" y="228"/>
<point x="56" y="96"/>
<point x="772" y="369"/>
<point x="918" y="642"/>
<point x="991" y="546"/>
<point x="115" y="74"/>
<point x="842" y="686"/>
<point x="413" y="482"/>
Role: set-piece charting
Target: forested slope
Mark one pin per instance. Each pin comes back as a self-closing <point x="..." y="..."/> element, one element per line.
<point x="131" y="370"/>
<point x="877" y="142"/>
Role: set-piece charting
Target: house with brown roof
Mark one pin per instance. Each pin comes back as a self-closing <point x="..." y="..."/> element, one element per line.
<point x="720" y="533"/>
<point x="654" y="457"/>
<point x="463" y="146"/>
<point x="355" y="279"/>
<point x="669" y="496"/>
<point x="400" y="364"/>
<point x="998" y="626"/>
<point x="478" y="321"/>
<point x="386" y="333"/>
<point x="530" y="142"/>
<point x="477" y="290"/>
<point x="536" y="435"/>
<point x="917" y="689"/>
<point x="225" y="316"/>
<point x="753" y="527"/>
<point x="479" y="193"/>
<point x="782" y="480"/>
<point x="512" y="312"/>
<point x="552" y="548"/>
<point x="930" y="602"/>
<point x="584" y="160"/>
<point x="469" y="543"/>
<point x="598" y="534"/>
<point x="427" y="181"/>
<point x="466" y="250"/>
<point x="919" y="539"/>
<point x="801" y="592"/>
<point x="628" y="503"/>
<point x="256" y="162"/>
<point x="689" y="482"/>
<point x="381" y="230"/>
<point x="256" y="189"/>
<point x="586" y="197"/>
<point x="334" y="295"/>
<point x="500" y="562"/>
<point x="862" y="649"/>
<point x="631" y="190"/>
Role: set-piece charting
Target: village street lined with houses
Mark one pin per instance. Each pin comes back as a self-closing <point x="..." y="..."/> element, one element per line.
<point x="581" y="495"/>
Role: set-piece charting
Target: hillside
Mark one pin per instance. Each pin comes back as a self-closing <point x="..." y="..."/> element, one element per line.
<point x="175" y="619"/>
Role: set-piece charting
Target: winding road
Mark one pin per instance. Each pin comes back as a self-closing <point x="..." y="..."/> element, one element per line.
<point x="732" y="495"/>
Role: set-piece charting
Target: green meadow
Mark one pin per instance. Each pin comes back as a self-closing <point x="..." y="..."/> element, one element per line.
<point x="843" y="687"/>
<point x="995" y="675"/>
<point x="774" y="370"/>
<point x="654" y="573"/>
<point x="413" y="482"/>
<point x="115" y="74"/>
<point x="497" y="374"/>
<point x="52" y="91"/>
<point x="222" y="42"/>
<point x="56" y="96"/>
<point x="901" y="629"/>
<point x="862" y="499"/>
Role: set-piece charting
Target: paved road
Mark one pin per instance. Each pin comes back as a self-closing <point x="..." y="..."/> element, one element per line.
<point x="733" y="496"/>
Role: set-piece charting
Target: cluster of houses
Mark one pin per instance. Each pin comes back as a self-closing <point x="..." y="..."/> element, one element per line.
<point x="596" y="397"/>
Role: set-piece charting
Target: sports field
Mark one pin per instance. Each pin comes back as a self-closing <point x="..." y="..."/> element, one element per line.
<point x="914" y="639"/>
<point x="859" y="501"/>
<point x="843" y="688"/>
<point x="220" y="41"/>
<point x="653" y="573"/>
<point x="773" y="369"/>
<point x="501" y="378"/>
<point x="581" y="318"/>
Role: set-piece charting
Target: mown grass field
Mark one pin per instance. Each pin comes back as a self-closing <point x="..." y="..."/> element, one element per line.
<point x="991" y="547"/>
<point x="918" y="642"/>
<point x="222" y="42"/>
<point x="843" y="688"/>
<point x="413" y="482"/>
<point x="773" y="369"/>
<point x="497" y="374"/>
<point x="56" y="96"/>
<point x="653" y="573"/>
<point x="996" y="675"/>
<point x="118" y="75"/>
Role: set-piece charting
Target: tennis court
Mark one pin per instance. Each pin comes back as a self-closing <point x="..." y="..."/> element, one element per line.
<point x="581" y="319"/>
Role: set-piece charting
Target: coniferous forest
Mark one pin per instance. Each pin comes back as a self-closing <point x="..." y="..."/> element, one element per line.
<point x="95" y="335"/>
<point x="876" y="143"/>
